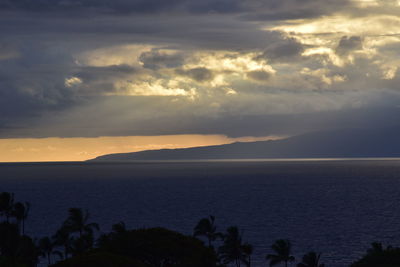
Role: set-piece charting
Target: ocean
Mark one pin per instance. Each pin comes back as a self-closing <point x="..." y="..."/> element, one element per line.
<point x="336" y="207"/>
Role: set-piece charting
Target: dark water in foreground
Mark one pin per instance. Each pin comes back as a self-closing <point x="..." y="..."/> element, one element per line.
<point x="336" y="207"/>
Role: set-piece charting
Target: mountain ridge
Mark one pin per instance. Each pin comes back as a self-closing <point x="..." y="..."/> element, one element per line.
<point x="342" y="143"/>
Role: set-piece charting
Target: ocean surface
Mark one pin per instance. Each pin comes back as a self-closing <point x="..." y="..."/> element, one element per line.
<point x="337" y="207"/>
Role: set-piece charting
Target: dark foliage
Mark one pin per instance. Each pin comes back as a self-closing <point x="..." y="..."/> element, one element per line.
<point x="47" y="248"/>
<point x="20" y="213"/>
<point x="377" y="256"/>
<point x="159" y="247"/>
<point x="6" y="205"/>
<point x="63" y="239"/>
<point x="78" y="222"/>
<point x="14" y="248"/>
<point x="311" y="259"/>
<point x="99" y="259"/>
<point x="282" y="249"/>
<point x="206" y="228"/>
<point x="234" y="250"/>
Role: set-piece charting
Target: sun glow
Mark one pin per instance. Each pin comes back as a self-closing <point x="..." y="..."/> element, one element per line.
<point x="78" y="149"/>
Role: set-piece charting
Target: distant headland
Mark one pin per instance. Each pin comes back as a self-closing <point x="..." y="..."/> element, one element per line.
<point x="343" y="143"/>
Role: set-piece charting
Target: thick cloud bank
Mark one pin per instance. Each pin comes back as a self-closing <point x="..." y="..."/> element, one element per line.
<point x="95" y="68"/>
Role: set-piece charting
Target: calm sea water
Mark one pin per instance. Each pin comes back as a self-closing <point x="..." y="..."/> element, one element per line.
<point x="334" y="207"/>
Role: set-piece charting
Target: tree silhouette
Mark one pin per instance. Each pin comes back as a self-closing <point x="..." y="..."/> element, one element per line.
<point x="233" y="250"/>
<point x="282" y="248"/>
<point x="6" y="205"/>
<point x="206" y="227"/>
<point x="9" y="239"/>
<point x="158" y="247"/>
<point x="77" y="222"/>
<point x="82" y="243"/>
<point x="247" y="251"/>
<point x="377" y="255"/>
<point x="376" y="248"/>
<point x="63" y="238"/>
<point x="311" y="259"/>
<point x="119" y="228"/>
<point x="47" y="248"/>
<point x="20" y="212"/>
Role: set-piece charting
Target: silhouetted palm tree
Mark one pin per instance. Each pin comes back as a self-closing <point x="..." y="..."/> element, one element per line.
<point x="283" y="249"/>
<point x="20" y="212"/>
<point x="47" y="248"/>
<point x="311" y="259"/>
<point x="63" y="239"/>
<point x="206" y="227"/>
<point x="233" y="250"/>
<point x="6" y="205"/>
<point x="77" y="221"/>
<point x="247" y="251"/>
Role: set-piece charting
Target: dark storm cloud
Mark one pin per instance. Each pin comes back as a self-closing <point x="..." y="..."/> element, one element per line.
<point x="117" y="6"/>
<point x="124" y="6"/>
<point x="209" y="31"/>
<point x="250" y="9"/>
<point x="117" y="123"/>
<point x="218" y="6"/>
<point x="48" y="89"/>
<point x="37" y="80"/>
<point x="38" y="54"/>
<point x="32" y="83"/>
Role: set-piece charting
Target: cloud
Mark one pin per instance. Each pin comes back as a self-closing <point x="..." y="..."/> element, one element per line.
<point x="157" y="59"/>
<point x="200" y="74"/>
<point x="348" y="44"/>
<point x="119" y="6"/>
<point x="7" y="52"/>
<point x="273" y="9"/>
<point x="258" y="75"/>
<point x="72" y="81"/>
<point x="184" y="66"/>
<point x="284" y="50"/>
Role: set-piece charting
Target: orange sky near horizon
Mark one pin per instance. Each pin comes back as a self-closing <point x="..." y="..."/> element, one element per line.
<point x="80" y="149"/>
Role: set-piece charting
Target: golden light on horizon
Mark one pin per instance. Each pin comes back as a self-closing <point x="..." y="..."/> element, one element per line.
<point x="80" y="149"/>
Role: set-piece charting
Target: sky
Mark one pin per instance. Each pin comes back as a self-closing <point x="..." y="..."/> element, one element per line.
<point x="74" y="73"/>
